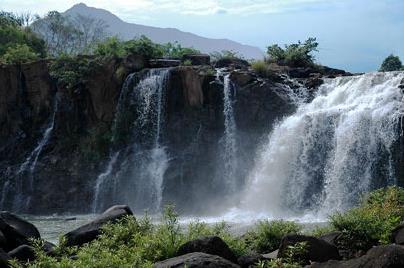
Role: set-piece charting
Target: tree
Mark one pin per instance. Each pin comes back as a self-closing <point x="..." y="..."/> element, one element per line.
<point x="67" y="35"/>
<point x="295" y="55"/>
<point x="13" y="31"/>
<point x="19" y="54"/>
<point x="391" y="63"/>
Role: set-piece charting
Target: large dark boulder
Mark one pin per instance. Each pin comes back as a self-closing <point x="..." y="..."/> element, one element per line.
<point x="397" y="235"/>
<point x="331" y="238"/>
<point x="91" y="230"/>
<point x="197" y="59"/>
<point x="390" y="256"/>
<point x="210" y="245"/>
<point x="3" y="240"/>
<point x="23" y="253"/>
<point x="4" y="258"/>
<point x="196" y="260"/>
<point x="250" y="260"/>
<point x="317" y="249"/>
<point x="16" y="230"/>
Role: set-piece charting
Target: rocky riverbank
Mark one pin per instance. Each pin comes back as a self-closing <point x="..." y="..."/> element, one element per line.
<point x="117" y="239"/>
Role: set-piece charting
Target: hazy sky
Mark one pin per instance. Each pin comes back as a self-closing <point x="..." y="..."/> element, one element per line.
<point x="355" y="35"/>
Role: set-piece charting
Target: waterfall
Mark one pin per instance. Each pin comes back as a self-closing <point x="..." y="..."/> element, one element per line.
<point x="27" y="169"/>
<point x="330" y="151"/>
<point x="134" y="175"/>
<point x="230" y="143"/>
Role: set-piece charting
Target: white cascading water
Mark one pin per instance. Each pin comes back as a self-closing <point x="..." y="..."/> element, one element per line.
<point x="30" y="164"/>
<point x="229" y="143"/>
<point x="325" y="155"/>
<point x="147" y="163"/>
<point x="100" y="187"/>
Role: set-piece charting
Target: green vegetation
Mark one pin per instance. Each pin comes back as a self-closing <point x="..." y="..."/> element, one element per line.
<point x="19" y="54"/>
<point x="225" y="54"/>
<point x="18" y="44"/>
<point x="267" y="235"/>
<point x="391" y="63"/>
<point x="294" y="55"/>
<point x="138" y="243"/>
<point x="371" y="223"/>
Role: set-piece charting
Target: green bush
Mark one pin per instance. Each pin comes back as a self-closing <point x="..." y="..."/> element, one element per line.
<point x="134" y="242"/>
<point x="70" y="71"/>
<point x="175" y="50"/>
<point x="19" y="54"/>
<point x="295" y="255"/>
<point x="294" y="55"/>
<point x="371" y="223"/>
<point x="391" y="63"/>
<point x="225" y="54"/>
<point x="145" y="47"/>
<point x="267" y="235"/>
<point x="14" y="36"/>
<point x="111" y="47"/>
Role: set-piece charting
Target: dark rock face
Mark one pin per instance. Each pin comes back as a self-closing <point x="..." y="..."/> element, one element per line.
<point x="164" y="63"/>
<point x="197" y="59"/>
<point x="196" y="260"/>
<point x="317" y="249"/>
<point x="232" y="62"/>
<point x="23" y="253"/>
<point x="91" y="230"/>
<point x="397" y="236"/>
<point x="79" y="147"/>
<point x="249" y="260"/>
<point x="390" y="256"/>
<point x="331" y="237"/>
<point x="4" y="258"/>
<point x="3" y="240"/>
<point x="16" y="230"/>
<point x="210" y="245"/>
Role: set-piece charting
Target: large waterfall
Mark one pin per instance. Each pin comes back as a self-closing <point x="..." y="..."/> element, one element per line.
<point x="330" y="151"/>
<point x="135" y="174"/>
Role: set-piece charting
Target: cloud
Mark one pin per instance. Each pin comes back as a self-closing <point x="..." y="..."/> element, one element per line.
<point x="188" y="7"/>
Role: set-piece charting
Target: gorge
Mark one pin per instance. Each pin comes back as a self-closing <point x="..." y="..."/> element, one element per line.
<point x="207" y="140"/>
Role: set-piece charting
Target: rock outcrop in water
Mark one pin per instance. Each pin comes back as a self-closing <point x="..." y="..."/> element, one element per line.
<point x="78" y="150"/>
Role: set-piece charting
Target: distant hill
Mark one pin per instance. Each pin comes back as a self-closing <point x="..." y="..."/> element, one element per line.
<point x="128" y="31"/>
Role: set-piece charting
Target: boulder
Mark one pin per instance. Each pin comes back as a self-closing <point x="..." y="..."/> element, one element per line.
<point x="91" y="230"/>
<point x="249" y="260"/>
<point x="210" y="245"/>
<point x="242" y="78"/>
<point x="272" y="255"/>
<point x="196" y="260"/>
<point x="389" y="256"/>
<point x="197" y="59"/>
<point x="164" y="63"/>
<point x="331" y="237"/>
<point x="23" y="253"/>
<point x="3" y="241"/>
<point x="16" y="230"/>
<point x="317" y="249"/>
<point x="232" y="62"/>
<point x="4" y="258"/>
<point x="397" y="235"/>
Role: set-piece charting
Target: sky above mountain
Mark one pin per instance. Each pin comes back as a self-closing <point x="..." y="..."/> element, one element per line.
<point x="355" y="35"/>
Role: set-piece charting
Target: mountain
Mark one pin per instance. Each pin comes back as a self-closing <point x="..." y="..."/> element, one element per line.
<point x="128" y="31"/>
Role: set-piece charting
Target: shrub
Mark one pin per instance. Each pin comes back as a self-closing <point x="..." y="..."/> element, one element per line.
<point x="175" y="50"/>
<point x="294" y="258"/>
<point x="19" y="54"/>
<point x="225" y="54"/>
<point x="371" y="223"/>
<point x="391" y="63"/>
<point x="145" y="47"/>
<point x="110" y="47"/>
<point x="294" y="55"/>
<point x="267" y="235"/>
<point x="70" y="71"/>
<point x="187" y="63"/>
